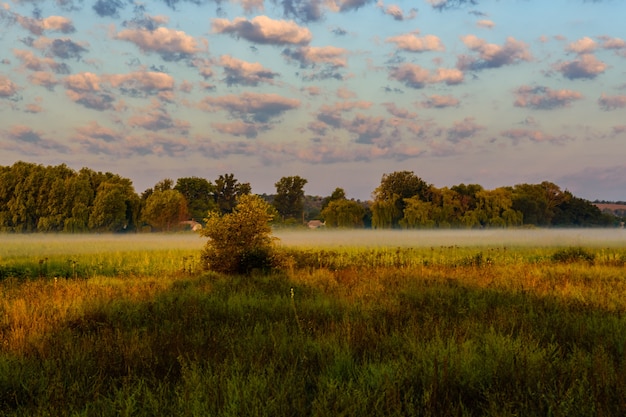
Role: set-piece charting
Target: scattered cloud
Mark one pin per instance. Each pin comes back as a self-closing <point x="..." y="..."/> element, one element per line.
<point x="264" y="30"/>
<point x="490" y="55"/>
<point x="584" y="45"/>
<point x="607" y="103"/>
<point x="464" y="129"/>
<point x="412" y="43"/>
<point x="544" y="98"/>
<point x="7" y="87"/>
<point x="414" y="76"/>
<point x="484" y="23"/>
<point x="38" y="26"/>
<point x="26" y="140"/>
<point x="585" y="66"/>
<point x="536" y="136"/>
<point x="239" y="128"/>
<point x="396" y="11"/>
<point x="437" y="101"/>
<point x="258" y="107"/>
<point x="170" y="44"/>
<point x="239" y="72"/>
<point x="34" y="63"/>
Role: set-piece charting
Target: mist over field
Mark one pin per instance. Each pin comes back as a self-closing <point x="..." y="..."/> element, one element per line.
<point x="458" y="237"/>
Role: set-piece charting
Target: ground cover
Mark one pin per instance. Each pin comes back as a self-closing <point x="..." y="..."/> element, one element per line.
<point x="467" y="326"/>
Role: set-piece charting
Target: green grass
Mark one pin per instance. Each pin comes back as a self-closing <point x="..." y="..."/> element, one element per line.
<point x="476" y="330"/>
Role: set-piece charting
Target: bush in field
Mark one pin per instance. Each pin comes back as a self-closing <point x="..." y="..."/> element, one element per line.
<point x="573" y="255"/>
<point x="241" y="241"/>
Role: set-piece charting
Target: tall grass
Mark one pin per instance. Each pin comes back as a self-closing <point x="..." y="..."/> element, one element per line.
<point x="426" y="331"/>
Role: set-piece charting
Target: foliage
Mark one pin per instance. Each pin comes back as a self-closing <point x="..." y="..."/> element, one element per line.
<point x="289" y="198"/>
<point x="241" y="241"/>
<point x="343" y="213"/>
<point x="390" y="197"/>
<point x="199" y="195"/>
<point x="165" y="210"/>
<point x="227" y="191"/>
<point x="575" y="254"/>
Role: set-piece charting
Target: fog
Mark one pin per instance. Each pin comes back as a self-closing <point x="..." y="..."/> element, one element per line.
<point x="458" y="237"/>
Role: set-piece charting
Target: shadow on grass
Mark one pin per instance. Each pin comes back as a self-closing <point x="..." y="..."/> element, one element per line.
<point x="270" y="345"/>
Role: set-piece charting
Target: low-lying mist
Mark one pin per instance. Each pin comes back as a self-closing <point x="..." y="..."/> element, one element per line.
<point x="458" y="237"/>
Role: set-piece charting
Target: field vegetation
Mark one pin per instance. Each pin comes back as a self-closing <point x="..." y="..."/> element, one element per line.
<point x="378" y="324"/>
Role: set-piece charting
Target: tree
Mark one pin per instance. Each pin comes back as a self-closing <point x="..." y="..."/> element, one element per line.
<point x="240" y="241"/>
<point x="227" y="191"/>
<point x="199" y="195"/>
<point x="393" y="190"/>
<point x="289" y="197"/>
<point x="108" y="213"/>
<point x="164" y="210"/>
<point x="343" y="213"/>
<point x="338" y="194"/>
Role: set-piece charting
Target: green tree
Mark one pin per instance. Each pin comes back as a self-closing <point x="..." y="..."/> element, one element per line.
<point x="164" y="210"/>
<point x="227" y="191"/>
<point x="199" y="195"/>
<point x="289" y="199"/>
<point x="344" y="213"/>
<point x="338" y="194"/>
<point x="393" y="190"/>
<point x="240" y="241"/>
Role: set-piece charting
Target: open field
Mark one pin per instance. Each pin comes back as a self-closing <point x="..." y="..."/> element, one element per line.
<point x="485" y="323"/>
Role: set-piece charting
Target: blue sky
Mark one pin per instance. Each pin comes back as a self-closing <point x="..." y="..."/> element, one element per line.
<point x="339" y="92"/>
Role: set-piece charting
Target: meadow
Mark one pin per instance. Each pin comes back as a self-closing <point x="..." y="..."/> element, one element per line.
<point x="376" y="323"/>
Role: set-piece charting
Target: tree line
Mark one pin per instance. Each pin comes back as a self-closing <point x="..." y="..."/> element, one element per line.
<point x="37" y="198"/>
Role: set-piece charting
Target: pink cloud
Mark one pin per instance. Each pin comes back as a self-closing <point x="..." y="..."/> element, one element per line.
<point x="245" y="73"/>
<point x="612" y="102"/>
<point x="52" y="23"/>
<point x="485" y="24"/>
<point x="412" y="75"/>
<point x="410" y="42"/>
<point x="171" y="44"/>
<point x="396" y="11"/>
<point x="239" y="128"/>
<point x="491" y="55"/>
<point x="585" y="66"/>
<point x="7" y="87"/>
<point x="583" y="46"/>
<point x="258" y="106"/>
<point x="34" y="63"/>
<point x="534" y="136"/>
<point x="43" y="78"/>
<point x="262" y="29"/>
<point x="543" y="98"/>
<point x="146" y="81"/>
<point x="464" y="129"/>
<point x="440" y="102"/>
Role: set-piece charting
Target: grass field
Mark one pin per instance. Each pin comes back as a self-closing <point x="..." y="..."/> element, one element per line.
<point x="454" y="323"/>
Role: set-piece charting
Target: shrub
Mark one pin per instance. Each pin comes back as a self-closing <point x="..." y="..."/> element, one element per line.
<point x="240" y="242"/>
<point x="573" y="255"/>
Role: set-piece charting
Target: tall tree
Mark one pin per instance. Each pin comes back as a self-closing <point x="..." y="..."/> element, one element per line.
<point x="164" y="210"/>
<point x="199" y="195"/>
<point x="394" y="188"/>
<point x="227" y="190"/>
<point x="343" y="213"/>
<point x="289" y="199"/>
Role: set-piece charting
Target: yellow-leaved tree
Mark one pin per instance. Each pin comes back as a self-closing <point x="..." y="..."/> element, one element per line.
<point x="241" y="241"/>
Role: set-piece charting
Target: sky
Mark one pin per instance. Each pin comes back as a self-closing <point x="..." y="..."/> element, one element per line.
<point x="339" y="92"/>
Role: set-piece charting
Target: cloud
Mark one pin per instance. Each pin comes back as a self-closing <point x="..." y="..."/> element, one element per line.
<point x="464" y="129"/>
<point x="613" y="43"/>
<point x="491" y="55"/>
<point x="60" y="48"/>
<point x="141" y="83"/>
<point x="410" y="42"/>
<point x="43" y="78"/>
<point x="245" y="73"/>
<point x="439" y="102"/>
<point x="346" y="5"/>
<point x="262" y="29"/>
<point x="302" y="10"/>
<point x="25" y="140"/>
<point x="258" y="107"/>
<point x="398" y="112"/>
<point x="411" y="75"/>
<point x="108" y="8"/>
<point x="484" y="23"/>
<point x="449" y="4"/>
<point x="98" y="139"/>
<point x="585" y="66"/>
<point x="35" y="63"/>
<point x="414" y="76"/>
<point x="7" y="87"/>
<point x="543" y="98"/>
<point x="396" y="11"/>
<point x="366" y="128"/>
<point x="84" y="81"/>
<point x="331" y="114"/>
<point x="84" y="89"/>
<point x="312" y="55"/>
<point x="170" y="44"/>
<point x="583" y="46"/>
<point x="52" y="23"/>
<point x="534" y="136"/>
<point x="607" y="103"/>
<point x="156" y="118"/>
<point x="239" y="128"/>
